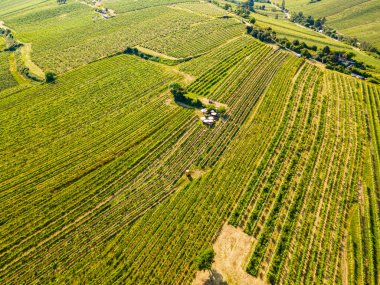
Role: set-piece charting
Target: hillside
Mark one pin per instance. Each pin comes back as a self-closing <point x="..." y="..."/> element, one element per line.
<point x="355" y="18"/>
<point x="107" y="178"/>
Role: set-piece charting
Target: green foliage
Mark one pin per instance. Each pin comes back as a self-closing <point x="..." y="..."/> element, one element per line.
<point x="6" y="78"/>
<point x="50" y="77"/>
<point x="179" y="95"/>
<point x="265" y="35"/>
<point x="353" y="19"/>
<point x="221" y="110"/>
<point x="92" y="183"/>
<point x="242" y="12"/>
<point x="11" y="44"/>
<point x="72" y="35"/>
<point x="205" y="259"/>
<point x="319" y="24"/>
<point x="341" y="61"/>
<point x="210" y="107"/>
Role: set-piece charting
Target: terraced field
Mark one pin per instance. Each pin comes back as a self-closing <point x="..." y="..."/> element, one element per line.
<point x="92" y="174"/>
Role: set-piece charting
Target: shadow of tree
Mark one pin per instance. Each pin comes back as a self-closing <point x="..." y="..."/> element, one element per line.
<point x="215" y="278"/>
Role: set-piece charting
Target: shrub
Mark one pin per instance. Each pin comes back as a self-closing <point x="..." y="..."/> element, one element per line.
<point x="205" y="259"/>
<point x="50" y="77"/>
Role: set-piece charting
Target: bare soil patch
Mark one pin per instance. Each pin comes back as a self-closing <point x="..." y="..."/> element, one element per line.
<point x="232" y="250"/>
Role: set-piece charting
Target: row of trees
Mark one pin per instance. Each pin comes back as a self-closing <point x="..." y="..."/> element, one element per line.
<point x="341" y="61"/>
<point x="265" y="35"/>
<point x="179" y="94"/>
<point x="10" y="42"/>
<point x="308" y="21"/>
<point x="319" y="24"/>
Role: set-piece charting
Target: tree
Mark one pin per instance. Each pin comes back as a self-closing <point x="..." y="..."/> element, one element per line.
<point x="50" y="77"/>
<point x="305" y="53"/>
<point x="205" y="259"/>
<point x="210" y="107"/>
<point x="128" y="50"/>
<point x="252" y="21"/>
<point x="61" y="1"/>
<point x="227" y="7"/>
<point x="178" y="92"/>
<point x="283" y="5"/>
<point x="326" y="50"/>
<point x="221" y="110"/>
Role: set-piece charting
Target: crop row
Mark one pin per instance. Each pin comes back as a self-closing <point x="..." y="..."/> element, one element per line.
<point x="245" y="200"/>
<point x="191" y="208"/>
<point x="113" y="223"/>
<point x="206" y="83"/>
<point x="69" y="36"/>
<point x="6" y="78"/>
<point x="300" y="266"/>
<point x="284" y="167"/>
<point x="200" y="65"/>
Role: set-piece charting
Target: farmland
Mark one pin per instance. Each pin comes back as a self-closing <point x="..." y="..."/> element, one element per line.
<point x="358" y="18"/>
<point x="92" y="172"/>
<point x="6" y="78"/>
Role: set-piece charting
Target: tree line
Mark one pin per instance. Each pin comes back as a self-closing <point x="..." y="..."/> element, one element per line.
<point x="319" y="24"/>
<point x="341" y="61"/>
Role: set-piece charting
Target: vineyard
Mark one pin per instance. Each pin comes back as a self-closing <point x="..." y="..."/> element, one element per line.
<point x="6" y="78"/>
<point x="94" y="166"/>
<point x="356" y="18"/>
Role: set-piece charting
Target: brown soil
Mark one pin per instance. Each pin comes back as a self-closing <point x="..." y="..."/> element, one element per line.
<point x="232" y="250"/>
<point x="205" y="101"/>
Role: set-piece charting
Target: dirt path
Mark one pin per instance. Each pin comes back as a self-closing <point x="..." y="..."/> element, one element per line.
<point x="155" y="53"/>
<point x="26" y="51"/>
<point x="187" y="78"/>
<point x="13" y="69"/>
<point x="232" y="251"/>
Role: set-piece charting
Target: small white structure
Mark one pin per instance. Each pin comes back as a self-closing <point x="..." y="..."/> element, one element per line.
<point x="357" y="76"/>
<point x="204" y="111"/>
<point x="208" y="121"/>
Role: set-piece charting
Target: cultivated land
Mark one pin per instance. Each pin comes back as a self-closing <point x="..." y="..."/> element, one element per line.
<point x="355" y="18"/>
<point x="285" y="188"/>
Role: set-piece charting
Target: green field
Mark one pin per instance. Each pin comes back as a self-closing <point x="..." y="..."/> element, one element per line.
<point x="284" y="28"/>
<point x="6" y="78"/>
<point x="93" y="187"/>
<point x="355" y="18"/>
<point x="68" y="36"/>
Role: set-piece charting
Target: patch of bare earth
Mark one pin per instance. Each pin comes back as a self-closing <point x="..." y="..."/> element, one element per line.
<point x="206" y="101"/>
<point x="232" y="250"/>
